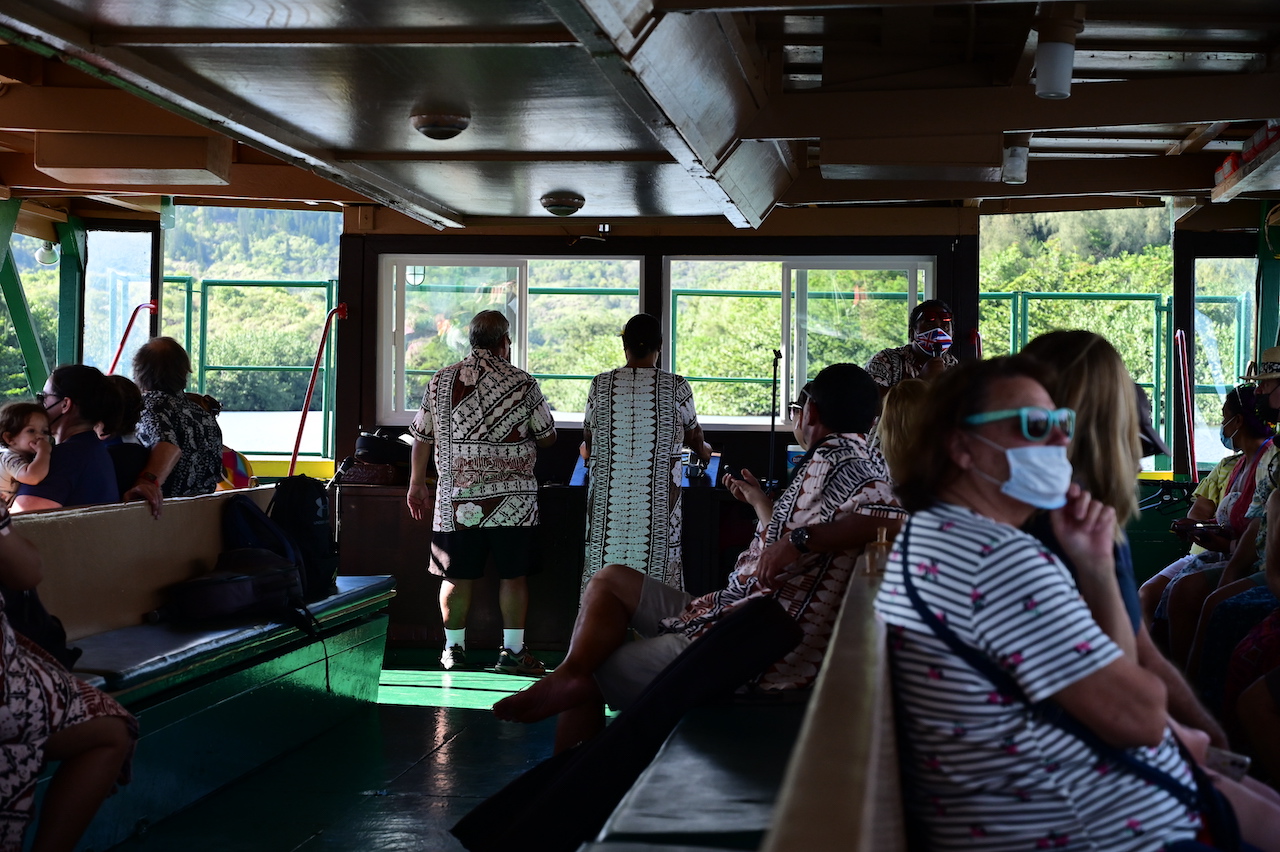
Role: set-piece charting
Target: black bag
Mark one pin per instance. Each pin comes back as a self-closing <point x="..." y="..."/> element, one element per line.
<point x="244" y="524"/>
<point x="247" y="581"/>
<point x="300" y="507"/>
<point x="382" y="449"/>
<point x="28" y="616"/>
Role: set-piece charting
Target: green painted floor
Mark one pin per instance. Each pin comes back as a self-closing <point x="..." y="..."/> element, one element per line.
<point x="393" y="777"/>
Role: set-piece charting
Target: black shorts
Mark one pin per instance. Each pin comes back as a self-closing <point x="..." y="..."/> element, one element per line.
<point x="463" y="554"/>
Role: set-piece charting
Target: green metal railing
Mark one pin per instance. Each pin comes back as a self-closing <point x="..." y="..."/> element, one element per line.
<point x="196" y="294"/>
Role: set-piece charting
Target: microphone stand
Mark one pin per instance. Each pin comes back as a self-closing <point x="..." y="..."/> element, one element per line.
<point x="770" y="485"/>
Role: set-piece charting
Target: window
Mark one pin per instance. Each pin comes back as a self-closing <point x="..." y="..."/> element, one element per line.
<point x="566" y="315"/>
<point x="730" y="316"/>
<point x="1224" y="312"/>
<point x="117" y="281"/>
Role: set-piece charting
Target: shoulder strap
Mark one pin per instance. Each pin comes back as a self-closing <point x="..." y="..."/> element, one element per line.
<point x="1046" y="711"/>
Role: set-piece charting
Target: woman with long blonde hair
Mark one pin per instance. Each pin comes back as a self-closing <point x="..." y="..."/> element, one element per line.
<point x="1087" y="374"/>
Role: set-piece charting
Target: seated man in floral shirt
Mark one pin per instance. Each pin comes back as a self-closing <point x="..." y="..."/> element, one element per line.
<point x="803" y="555"/>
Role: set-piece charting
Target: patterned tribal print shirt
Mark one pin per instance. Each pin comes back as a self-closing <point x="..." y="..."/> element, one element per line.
<point x="175" y="419"/>
<point x="484" y="415"/>
<point x="986" y="774"/>
<point x="842" y="477"/>
<point x="890" y="366"/>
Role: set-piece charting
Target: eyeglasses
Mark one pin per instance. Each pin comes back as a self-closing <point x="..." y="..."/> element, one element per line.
<point x="794" y="408"/>
<point x="42" y="397"/>
<point x="1037" y="423"/>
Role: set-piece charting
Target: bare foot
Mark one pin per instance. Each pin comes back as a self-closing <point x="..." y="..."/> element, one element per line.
<point x="553" y="694"/>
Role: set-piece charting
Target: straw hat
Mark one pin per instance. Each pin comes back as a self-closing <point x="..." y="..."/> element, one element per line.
<point x="1268" y="369"/>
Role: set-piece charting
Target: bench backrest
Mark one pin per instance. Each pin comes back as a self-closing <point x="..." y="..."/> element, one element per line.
<point x="841" y="790"/>
<point x="105" y="566"/>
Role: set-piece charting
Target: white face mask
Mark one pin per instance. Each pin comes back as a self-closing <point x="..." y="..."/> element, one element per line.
<point x="1039" y="474"/>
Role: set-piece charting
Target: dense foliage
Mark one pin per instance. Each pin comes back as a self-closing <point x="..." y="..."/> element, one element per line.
<point x="727" y="312"/>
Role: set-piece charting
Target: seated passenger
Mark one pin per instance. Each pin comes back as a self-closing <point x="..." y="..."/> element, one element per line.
<point x="1183" y="601"/>
<point x="182" y="435"/>
<point x="984" y="620"/>
<point x="902" y="417"/>
<point x="48" y="715"/>
<point x="119" y="433"/>
<point x="24" y="434"/>
<point x="80" y="472"/>
<point x="835" y="502"/>
<point x="926" y="356"/>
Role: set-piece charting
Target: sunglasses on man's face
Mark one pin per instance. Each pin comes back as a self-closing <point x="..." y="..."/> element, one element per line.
<point x="1037" y="423"/>
<point x="43" y="397"/>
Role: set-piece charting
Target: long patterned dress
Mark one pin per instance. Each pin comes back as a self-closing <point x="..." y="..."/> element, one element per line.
<point x="637" y="417"/>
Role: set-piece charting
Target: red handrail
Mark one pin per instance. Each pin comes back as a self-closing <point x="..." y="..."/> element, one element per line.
<point x="1188" y="398"/>
<point x="153" y="307"/>
<point x="341" y="313"/>
<point x="975" y="341"/>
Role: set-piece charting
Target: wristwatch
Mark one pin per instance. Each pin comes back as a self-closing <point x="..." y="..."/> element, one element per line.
<point x="800" y="539"/>
<point x="149" y="477"/>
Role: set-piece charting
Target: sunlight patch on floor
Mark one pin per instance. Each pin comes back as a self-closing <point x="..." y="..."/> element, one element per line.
<point x="468" y="690"/>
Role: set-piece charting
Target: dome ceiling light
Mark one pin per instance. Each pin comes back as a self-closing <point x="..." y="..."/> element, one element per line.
<point x="562" y="203"/>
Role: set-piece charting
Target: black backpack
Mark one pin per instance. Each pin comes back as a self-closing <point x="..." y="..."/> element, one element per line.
<point x="300" y="507"/>
<point x="246" y="581"/>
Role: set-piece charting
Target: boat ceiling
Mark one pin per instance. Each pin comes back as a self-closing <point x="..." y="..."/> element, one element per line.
<point x="657" y="111"/>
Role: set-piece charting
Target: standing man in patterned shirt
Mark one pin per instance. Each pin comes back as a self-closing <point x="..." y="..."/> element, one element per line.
<point x="926" y="356"/>
<point x="485" y="419"/>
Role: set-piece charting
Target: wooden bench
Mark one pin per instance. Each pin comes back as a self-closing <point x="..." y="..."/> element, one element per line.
<point x="821" y="775"/>
<point x="214" y="701"/>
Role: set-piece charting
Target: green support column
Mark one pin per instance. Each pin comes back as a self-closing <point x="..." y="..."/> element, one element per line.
<point x="71" y="292"/>
<point x="35" y="365"/>
<point x="1268" y="288"/>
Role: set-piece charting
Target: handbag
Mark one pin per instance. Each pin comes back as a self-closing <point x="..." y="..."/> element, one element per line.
<point x="1218" y="818"/>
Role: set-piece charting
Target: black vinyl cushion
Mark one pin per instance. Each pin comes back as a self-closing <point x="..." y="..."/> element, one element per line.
<point x="564" y="801"/>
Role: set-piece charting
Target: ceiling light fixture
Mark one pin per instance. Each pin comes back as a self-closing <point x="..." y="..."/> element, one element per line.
<point x="439" y="125"/>
<point x="1056" y="49"/>
<point x="47" y="254"/>
<point x="562" y="202"/>
<point x="1017" y="148"/>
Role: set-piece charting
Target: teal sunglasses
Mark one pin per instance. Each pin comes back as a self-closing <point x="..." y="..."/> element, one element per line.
<point x="1037" y="423"/>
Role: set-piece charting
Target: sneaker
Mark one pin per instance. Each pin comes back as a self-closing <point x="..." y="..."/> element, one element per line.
<point x="519" y="663"/>
<point x="453" y="657"/>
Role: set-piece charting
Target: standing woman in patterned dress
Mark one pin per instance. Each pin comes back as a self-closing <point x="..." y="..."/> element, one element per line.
<point x="638" y="418"/>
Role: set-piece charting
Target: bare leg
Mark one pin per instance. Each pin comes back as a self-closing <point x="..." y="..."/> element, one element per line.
<point x="578" y="724"/>
<point x="513" y="601"/>
<point x="1186" y="598"/>
<point x="608" y="604"/>
<point x="455" y="600"/>
<point x="1258" y="815"/>
<point x="1206" y="613"/>
<point x="91" y="754"/>
<point x="1260" y="718"/>
<point x="1149" y="596"/>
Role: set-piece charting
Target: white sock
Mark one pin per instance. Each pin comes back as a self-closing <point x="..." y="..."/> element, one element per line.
<point x="455" y="637"/>
<point x="513" y="639"/>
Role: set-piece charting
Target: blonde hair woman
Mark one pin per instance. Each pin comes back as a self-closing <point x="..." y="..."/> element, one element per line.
<point x="1087" y="375"/>
<point x="900" y="421"/>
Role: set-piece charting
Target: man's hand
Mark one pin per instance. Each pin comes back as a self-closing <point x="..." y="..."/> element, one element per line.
<point x="933" y="368"/>
<point x="776" y="557"/>
<point x="149" y="491"/>
<point x="1086" y="530"/>
<point x="419" y="500"/>
<point x="749" y="490"/>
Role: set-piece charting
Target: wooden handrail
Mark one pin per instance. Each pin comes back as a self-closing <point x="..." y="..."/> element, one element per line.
<point x="842" y="790"/>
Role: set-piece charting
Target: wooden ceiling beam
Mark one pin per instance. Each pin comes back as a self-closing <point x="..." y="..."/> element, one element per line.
<point x="103" y="158"/>
<point x="1183" y="100"/>
<point x="530" y="36"/>
<point x="1188" y="175"/>
<point x="247" y="181"/>
<point x="88" y="110"/>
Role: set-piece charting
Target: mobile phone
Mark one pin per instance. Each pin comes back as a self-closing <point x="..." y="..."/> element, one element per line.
<point x="1227" y="763"/>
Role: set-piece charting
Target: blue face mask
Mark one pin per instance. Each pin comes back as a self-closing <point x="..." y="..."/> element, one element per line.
<point x="1225" y="438"/>
<point x="1039" y="474"/>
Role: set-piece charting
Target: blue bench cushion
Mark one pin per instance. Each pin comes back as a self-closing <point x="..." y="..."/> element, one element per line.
<point x="723" y="765"/>
<point x="131" y="656"/>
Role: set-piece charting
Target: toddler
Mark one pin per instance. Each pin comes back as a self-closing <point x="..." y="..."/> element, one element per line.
<point x="24" y="434"/>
